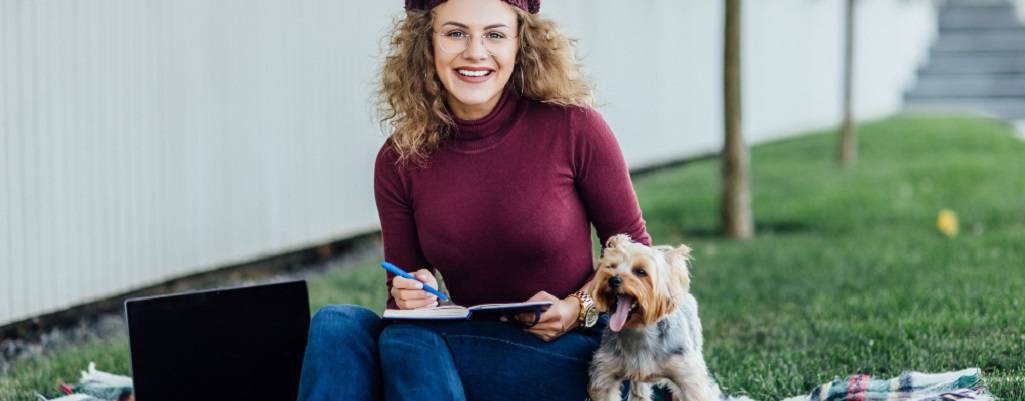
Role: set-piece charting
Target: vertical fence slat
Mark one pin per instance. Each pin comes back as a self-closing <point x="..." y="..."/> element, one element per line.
<point x="7" y="267"/>
<point x="143" y="140"/>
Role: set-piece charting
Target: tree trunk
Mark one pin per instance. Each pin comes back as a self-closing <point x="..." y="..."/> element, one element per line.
<point x="848" y="137"/>
<point x="736" y="201"/>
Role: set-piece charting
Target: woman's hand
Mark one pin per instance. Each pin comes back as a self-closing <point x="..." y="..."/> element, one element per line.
<point x="560" y="318"/>
<point x="409" y="294"/>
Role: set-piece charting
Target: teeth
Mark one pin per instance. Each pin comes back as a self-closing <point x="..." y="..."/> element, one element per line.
<point x="634" y="306"/>
<point x="468" y="73"/>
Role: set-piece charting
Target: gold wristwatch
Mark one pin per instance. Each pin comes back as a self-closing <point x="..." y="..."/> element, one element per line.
<point x="588" y="312"/>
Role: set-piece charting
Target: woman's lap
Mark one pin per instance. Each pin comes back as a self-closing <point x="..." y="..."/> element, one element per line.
<point x="574" y="347"/>
<point x="493" y="360"/>
<point x="341" y="360"/>
<point x="440" y="360"/>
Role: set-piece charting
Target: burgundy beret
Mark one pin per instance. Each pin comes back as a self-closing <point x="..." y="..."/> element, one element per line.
<point x="531" y="6"/>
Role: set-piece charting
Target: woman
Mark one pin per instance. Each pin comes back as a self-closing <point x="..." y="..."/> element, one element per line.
<point x="494" y="172"/>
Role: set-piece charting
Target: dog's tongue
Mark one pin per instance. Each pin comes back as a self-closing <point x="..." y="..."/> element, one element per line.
<point x="618" y="318"/>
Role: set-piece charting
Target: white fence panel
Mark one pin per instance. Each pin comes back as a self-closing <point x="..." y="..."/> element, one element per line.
<point x="146" y="140"/>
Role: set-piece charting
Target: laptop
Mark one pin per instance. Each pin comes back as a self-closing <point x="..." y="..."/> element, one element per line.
<point x="243" y="343"/>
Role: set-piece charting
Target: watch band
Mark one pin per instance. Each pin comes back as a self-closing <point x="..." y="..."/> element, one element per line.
<point x="585" y="304"/>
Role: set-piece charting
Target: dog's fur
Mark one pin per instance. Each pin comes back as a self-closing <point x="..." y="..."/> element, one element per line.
<point x="660" y="340"/>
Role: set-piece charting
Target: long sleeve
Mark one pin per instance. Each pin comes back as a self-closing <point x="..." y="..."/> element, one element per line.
<point x="603" y="179"/>
<point x="395" y="210"/>
<point x="504" y="206"/>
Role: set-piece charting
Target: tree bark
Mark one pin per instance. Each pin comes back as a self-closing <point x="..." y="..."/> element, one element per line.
<point x="737" y="221"/>
<point x="848" y="151"/>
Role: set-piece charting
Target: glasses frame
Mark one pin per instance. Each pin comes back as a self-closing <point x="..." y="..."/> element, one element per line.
<point x="466" y="42"/>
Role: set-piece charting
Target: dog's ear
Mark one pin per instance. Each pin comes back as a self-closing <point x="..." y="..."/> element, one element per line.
<point x="663" y="302"/>
<point x="681" y="251"/>
<point x="679" y="262"/>
<point x="617" y="240"/>
<point x="595" y="292"/>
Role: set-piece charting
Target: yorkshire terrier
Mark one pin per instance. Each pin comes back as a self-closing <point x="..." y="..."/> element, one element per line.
<point x="654" y="334"/>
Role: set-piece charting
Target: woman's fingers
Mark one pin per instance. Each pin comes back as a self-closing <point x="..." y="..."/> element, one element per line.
<point x="405" y="301"/>
<point x="546" y="335"/>
<point x="420" y="304"/>
<point x="547" y="316"/>
<point x="544" y="326"/>
<point x="548" y="323"/>
<point x="528" y="317"/>
<point x="426" y="276"/>
<point x="402" y="282"/>
<point x="409" y="294"/>
<point x="416" y="295"/>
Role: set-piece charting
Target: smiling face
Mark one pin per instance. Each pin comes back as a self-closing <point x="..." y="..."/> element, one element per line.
<point x="474" y="77"/>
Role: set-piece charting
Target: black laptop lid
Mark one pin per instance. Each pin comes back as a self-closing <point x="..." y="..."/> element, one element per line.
<point x="228" y="344"/>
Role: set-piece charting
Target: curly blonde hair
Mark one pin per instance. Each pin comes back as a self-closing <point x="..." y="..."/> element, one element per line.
<point x="411" y="97"/>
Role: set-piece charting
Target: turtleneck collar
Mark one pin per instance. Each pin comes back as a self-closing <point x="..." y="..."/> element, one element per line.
<point x="492" y="126"/>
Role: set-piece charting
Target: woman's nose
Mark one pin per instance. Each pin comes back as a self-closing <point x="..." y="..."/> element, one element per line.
<point x="475" y="48"/>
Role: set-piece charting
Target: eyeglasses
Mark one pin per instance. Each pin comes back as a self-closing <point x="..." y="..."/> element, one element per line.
<point x="456" y="41"/>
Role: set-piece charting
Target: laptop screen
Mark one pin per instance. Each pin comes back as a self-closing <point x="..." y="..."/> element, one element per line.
<point x="242" y="343"/>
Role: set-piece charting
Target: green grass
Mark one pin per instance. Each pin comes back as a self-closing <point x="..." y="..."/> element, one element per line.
<point x="848" y="272"/>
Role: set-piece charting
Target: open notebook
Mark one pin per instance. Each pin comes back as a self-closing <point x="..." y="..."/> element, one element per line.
<point x="453" y="312"/>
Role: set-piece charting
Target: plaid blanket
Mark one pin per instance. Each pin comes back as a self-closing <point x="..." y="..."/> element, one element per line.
<point x="910" y="386"/>
<point x="962" y="385"/>
<point x="95" y="385"/>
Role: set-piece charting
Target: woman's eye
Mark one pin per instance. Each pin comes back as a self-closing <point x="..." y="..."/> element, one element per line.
<point x="495" y="35"/>
<point x="455" y="34"/>
<point x="640" y="272"/>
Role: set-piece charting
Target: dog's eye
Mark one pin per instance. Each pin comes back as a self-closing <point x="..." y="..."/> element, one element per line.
<point x="640" y="272"/>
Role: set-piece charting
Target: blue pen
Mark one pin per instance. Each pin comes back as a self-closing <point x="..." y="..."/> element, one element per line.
<point x="399" y="272"/>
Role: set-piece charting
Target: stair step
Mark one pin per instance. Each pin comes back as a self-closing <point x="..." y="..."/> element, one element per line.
<point x="977" y="62"/>
<point x="992" y="16"/>
<point x="1009" y="108"/>
<point x="939" y="85"/>
<point x="977" y="3"/>
<point x="987" y="40"/>
<point x="969" y="63"/>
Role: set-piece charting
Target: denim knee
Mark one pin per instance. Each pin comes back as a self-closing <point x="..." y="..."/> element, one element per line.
<point x="344" y="322"/>
<point x="406" y="333"/>
<point x="418" y="363"/>
<point x="341" y="355"/>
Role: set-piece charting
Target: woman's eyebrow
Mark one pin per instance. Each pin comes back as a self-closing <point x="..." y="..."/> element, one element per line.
<point x="464" y="26"/>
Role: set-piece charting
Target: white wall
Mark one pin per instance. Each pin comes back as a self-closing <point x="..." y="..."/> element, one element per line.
<point x="145" y="140"/>
<point x="661" y="73"/>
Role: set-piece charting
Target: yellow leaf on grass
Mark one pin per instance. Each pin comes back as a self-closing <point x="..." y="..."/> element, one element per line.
<point x="947" y="222"/>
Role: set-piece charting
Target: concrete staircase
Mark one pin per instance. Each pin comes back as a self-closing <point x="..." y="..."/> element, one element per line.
<point x="977" y="62"/>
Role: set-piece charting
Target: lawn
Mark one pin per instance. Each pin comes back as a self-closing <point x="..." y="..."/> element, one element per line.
<point x="848" y="273"/>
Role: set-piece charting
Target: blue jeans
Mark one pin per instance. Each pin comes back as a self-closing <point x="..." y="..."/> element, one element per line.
<point x="353" y="355"/>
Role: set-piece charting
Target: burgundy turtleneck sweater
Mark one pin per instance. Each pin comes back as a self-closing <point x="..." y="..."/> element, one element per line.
<point x="504" y="206"/>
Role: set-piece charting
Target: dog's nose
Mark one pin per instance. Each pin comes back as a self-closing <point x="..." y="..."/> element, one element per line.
<point x="615" y="281"/>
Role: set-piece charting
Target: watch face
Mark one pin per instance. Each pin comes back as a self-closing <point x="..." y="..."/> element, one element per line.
<point x="590" y="317"/>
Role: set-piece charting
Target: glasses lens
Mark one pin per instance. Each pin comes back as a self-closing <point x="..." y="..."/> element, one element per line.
<point x="497" y="43"/>
<point x="452" y="42"/>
